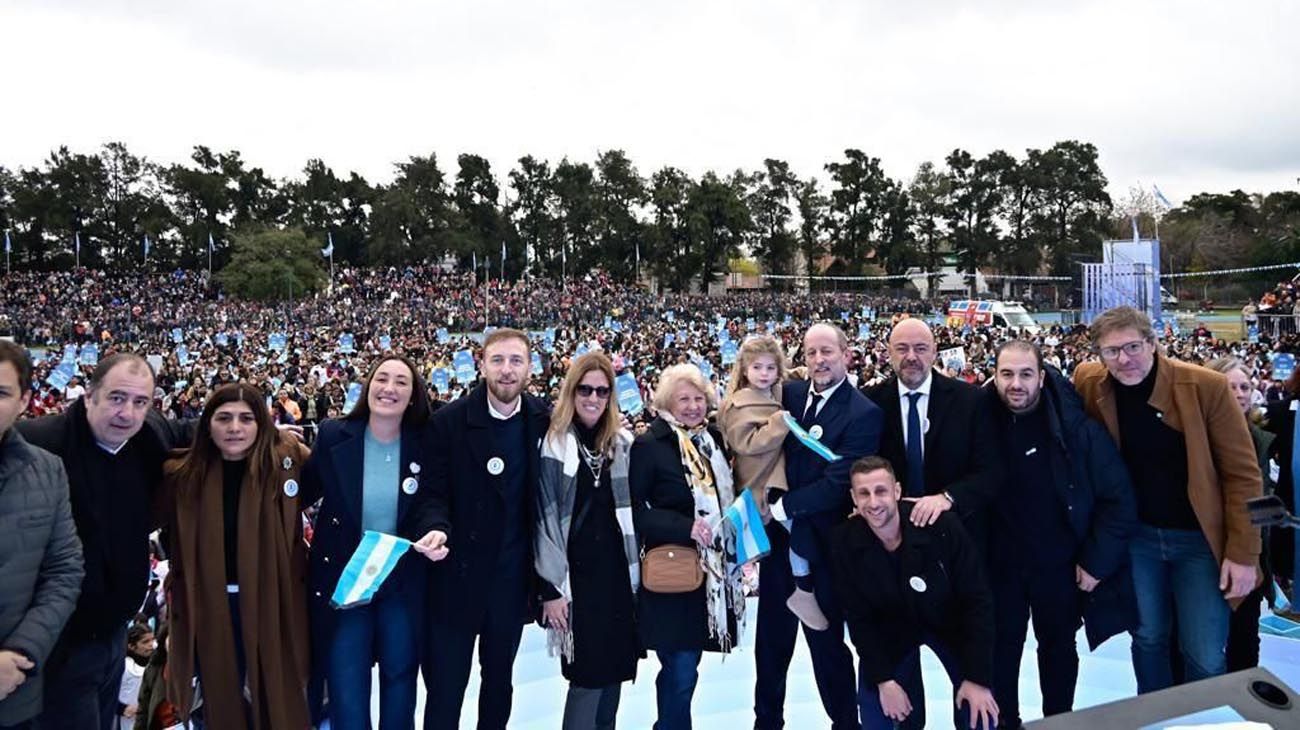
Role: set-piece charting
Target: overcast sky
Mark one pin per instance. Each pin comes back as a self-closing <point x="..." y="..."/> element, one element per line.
<point x="1189" y="95"/>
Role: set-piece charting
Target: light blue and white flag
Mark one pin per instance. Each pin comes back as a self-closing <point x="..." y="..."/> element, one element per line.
<point x="328" y="251"/>
<point x="351" y="397"/>
<point x="8" y="246"/>
<point x="212" y="246"/>
<point x="808" y="440"/>
<point x="745" y="523"/>
<point x="1160" y="198"/>
<point x="369" y="566"/>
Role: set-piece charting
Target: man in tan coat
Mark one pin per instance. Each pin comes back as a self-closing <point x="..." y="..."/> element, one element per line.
<point x="1189" y="452"/>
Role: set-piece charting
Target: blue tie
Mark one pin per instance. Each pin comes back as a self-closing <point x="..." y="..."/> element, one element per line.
<point x="915" y="486"/>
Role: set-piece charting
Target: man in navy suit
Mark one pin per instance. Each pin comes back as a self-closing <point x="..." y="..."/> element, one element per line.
<point x="848" y="424"/>
<point x="484" y="472"/>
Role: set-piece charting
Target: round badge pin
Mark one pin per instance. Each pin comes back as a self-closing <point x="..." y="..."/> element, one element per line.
<point x="414" y="468"/>
<point x="291" y="489"/>
<point x="409" y="485"/>
<point x="917" y="583"/>
<point x="815" y="432"/>
<point x="495" y="466"/>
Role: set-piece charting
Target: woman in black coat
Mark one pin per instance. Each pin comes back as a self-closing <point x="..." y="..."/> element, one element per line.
<point x="681" y="483"/>
<point x="586" y="551"/>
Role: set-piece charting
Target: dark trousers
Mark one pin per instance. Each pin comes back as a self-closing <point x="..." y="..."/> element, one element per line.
<point x="28" y="725"/>
<point x="586" y="708"/>
<point x="386" y="631"/>
<point x="775" y="637"/>
<point x="1048" y="596"/>
<point x="679" y="671"/>
<point x="82" y="682"/>
<point x="447" y="664"/>
<point x="908" y="675"/>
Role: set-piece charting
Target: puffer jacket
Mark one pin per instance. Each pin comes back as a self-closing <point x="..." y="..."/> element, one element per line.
<point x="40" y="564"/>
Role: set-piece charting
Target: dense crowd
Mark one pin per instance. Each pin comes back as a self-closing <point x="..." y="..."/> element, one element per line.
<point x="199" y="339"/>
<point x="468" y="468"/>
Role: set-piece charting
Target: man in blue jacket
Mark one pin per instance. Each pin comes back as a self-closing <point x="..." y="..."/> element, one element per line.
<point x="1059" y="548"/>
<point x="835" y="413"/>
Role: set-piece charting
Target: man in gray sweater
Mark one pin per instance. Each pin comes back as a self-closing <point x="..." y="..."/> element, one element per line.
<point x="39" y="550"/>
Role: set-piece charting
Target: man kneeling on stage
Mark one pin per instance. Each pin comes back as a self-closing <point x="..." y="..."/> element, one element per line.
<point x="903" y="586"/>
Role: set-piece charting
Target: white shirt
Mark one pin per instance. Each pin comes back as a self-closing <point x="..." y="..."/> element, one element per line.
<point x="129" y="692"/>
<point x="922" y="406"/>
<point x="778" y="509"/>
<point x="519" y="403"/>
<point x="825" y="394"/>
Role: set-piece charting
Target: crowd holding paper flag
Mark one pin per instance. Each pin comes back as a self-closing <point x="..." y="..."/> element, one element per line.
<point x="369" y="566"/>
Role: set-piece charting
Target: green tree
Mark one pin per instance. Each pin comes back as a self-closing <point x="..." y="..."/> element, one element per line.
<point x="973" y="201"/>
<point x="813" y="210"/>
<point x="857" y="209"/>
<point x="574" y="185"/>
<point x="769" y="204"/>
<point x="929" y="192"/>
<point x="619" y="193"/>
<point x="412" y="217"/>
<point x="674" y="255"/>
<point x="1073" y="205"/>
<point x="717" y="220"/>
<point x="532" y="213"/>
<point x="271" y="264"/>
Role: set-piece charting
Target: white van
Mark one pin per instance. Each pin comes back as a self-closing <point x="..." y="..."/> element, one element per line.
<point x="977" y="313"/>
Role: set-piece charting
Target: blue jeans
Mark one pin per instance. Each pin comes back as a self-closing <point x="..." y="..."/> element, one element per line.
<point x="387" y="631"/>
<point x="674" y="687"/>
<point x="1174" y="571"/>
<point x="908" y="676"/>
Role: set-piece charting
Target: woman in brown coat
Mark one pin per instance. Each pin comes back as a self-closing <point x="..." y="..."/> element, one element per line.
<point x="238" y="603"/>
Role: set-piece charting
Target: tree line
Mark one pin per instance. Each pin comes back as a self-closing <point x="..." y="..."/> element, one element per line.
<point x="1033" y="214"/>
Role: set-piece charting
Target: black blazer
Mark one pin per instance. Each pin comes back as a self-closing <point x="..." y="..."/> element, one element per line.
<point x="469" y="504"/>
<point x="334" y="474"/>
<point x="962" y="452"/>
<point x="851" y="427"/>
<point x="663" y="510"/>
<point x="889" y="612"/>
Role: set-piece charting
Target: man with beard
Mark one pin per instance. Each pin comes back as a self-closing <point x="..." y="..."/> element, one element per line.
<point x="829" y="408"/>
<point x="936" y="428"/>
<point x="1059" y="547"/>
<point x="484" y="474"/>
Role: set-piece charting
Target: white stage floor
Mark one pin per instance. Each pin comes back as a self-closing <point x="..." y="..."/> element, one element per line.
<point x="724" y="697"/>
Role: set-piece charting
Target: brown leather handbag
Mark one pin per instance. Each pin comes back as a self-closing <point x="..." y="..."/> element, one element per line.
<point x="671" y="569"/>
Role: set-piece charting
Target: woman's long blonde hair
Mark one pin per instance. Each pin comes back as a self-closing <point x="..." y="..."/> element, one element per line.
<point x="750" y="350"/>
<point x="562" y="416"/>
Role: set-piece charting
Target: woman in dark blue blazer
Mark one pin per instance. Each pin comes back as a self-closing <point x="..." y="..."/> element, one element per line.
<point x="366" y="469"/>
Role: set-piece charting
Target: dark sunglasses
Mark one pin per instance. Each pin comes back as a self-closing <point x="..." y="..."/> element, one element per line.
<point x="586" y="391"/>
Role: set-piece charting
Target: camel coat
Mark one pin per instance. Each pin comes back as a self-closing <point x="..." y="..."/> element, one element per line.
<point x="272" y="565"/>
<point x="754" y="430"/>
<point x="1222" y="468"/>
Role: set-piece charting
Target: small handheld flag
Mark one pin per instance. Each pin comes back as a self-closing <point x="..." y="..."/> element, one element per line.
<point x="373" y="561"/>
<point x="808" y="440"/>
<point x="745" y="522"/>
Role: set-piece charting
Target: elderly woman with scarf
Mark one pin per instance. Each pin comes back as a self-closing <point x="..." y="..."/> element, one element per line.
<point x="681" y="483"/>
<point x="586" y="551"/>
<point x="238" y="602"/>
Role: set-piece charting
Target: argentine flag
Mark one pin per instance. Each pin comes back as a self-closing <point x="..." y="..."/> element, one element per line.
<point x="746" y="523"/>
<point x="373" y="560"/>
<point x="808" y="440"/>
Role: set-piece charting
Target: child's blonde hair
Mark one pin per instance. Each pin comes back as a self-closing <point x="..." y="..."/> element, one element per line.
<point x="751" y="349"/>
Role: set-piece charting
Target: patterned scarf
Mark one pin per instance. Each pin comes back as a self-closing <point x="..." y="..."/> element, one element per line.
<point x="709" y="477"/>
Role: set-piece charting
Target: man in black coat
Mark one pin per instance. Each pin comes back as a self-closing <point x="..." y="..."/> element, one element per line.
<point x="903" y="585"/>
<point x="848" y="424"/>
<point x="1059" y="548"/>
<point x="484" y="476"/>
<point x="39" y="547"/>
<point x="936" y="432"/>
<point x="112" y="444"/>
